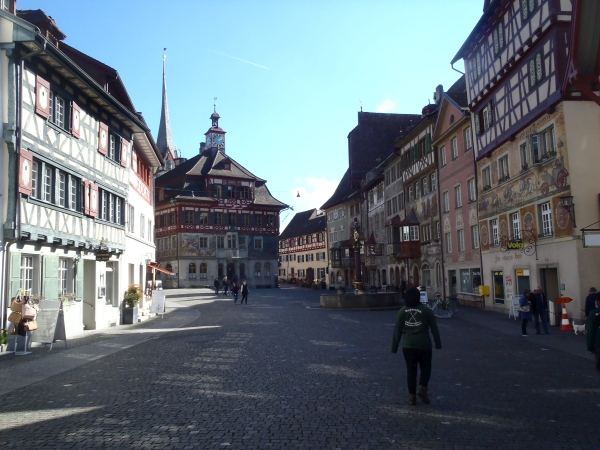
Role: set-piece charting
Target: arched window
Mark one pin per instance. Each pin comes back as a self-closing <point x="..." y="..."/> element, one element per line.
<point x="203" y="271"/>
<point x="242" y="271"/>
<point x="383" y="277"/>
<point x="169" y="267"/>
<point x="267" y="269"/>
<point x="257" y="270"/>
<point x="192" y="271"/>
<point x="220" y="272"/>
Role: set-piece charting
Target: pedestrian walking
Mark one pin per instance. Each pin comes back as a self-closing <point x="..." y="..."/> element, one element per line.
<point x="403" y="287"/>
<point x="540" y="311"/>
<point x="590" y="301"/>
<point x="525" y="310"/>
<point x="216" y="284"/>
<point x="593" y="332"/>
<point x="244" y="292"/>
<point x="413" y="323"/>
<point x="225" y="285"/>
<point x="234" y="290"/>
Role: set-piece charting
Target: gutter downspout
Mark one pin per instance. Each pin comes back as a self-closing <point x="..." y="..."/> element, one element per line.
<point x="438" y="187"/>
<point x="456" y="70"/>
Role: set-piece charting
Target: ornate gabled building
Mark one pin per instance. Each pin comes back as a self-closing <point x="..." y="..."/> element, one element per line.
<point x="214" y="218"/>
<point x="369" y="143"/>
<point x="532" y="79"/>
<point x="303" y="248"/>
<point x="69" y="140"/>
<point x="453" y="140"/>
<point x="414" y="240"/>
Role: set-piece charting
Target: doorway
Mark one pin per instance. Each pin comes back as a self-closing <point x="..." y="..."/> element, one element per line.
<point x="89" y="294"/>
<point x="452" y="282"/>
<point x="549" y="283"/>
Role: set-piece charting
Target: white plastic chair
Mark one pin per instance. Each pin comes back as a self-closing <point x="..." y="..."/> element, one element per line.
<point x="514" y="307"/>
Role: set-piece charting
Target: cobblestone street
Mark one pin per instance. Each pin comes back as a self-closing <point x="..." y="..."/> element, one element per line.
<point x="282" y="373"/>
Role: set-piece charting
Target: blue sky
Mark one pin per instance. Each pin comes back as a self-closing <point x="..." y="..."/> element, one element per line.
<point x="288" y="76"/>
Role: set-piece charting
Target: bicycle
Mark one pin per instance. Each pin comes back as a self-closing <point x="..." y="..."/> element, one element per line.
<point x="442" y="308"/>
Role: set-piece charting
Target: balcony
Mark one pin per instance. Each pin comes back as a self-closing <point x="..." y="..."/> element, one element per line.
<point x="232" y="253"/>
<point x="406" y="250"/>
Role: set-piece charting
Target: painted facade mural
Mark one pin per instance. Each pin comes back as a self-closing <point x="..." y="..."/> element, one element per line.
<point x="529" y="181"/>
<point x="191" y="245"/>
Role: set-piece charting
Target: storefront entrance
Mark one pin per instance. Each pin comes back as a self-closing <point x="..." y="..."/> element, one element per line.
<point x="498" y="277"/>
<point x="549" y="283"/>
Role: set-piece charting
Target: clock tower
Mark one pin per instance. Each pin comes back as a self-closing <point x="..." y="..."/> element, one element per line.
<point x="215" y="136"/>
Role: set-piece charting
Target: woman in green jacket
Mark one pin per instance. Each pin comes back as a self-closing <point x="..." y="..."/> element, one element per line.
<point x="412" y="331"/>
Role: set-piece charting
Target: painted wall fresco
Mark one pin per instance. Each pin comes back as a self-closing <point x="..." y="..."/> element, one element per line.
<point x="190" y="245"/>
<point x="539" y="181"/>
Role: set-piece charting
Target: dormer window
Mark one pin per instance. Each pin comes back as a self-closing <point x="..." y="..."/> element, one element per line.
<point x="226" y="166"/>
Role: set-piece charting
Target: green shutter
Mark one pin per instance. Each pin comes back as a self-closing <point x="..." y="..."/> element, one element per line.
<point x="15" y="274"/>
<point x="79" y="280"/>
<point x="428" y="143"/>
<point x="50" y="280"/>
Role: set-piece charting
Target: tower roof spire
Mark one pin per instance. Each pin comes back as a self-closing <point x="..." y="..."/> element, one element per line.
<point x="164" y="141"/>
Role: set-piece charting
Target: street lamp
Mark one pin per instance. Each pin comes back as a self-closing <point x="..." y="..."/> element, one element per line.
<point x="566" y="201"/>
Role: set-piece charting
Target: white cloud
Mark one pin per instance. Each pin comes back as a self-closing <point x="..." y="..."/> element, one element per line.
<point x="386" y="106"/>
<point x="313" y="193"/>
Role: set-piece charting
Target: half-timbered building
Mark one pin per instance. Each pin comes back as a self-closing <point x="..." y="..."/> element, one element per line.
<point x="216" y="219"/>
<point x="303" y="248"/>
<point x="70" y="146"/>
<point x="374" y="231"/>
<point x="535" y="136"/>
<point x="414" y="240"/>
<point x="453" y="141"/>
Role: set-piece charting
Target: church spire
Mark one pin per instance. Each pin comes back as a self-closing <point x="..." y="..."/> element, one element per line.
<point x="164" y="141"/>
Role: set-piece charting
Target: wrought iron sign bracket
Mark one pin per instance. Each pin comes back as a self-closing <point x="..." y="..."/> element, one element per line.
<point x="527" y="243"/>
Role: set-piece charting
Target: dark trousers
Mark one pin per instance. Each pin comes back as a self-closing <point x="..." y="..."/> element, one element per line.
<point x="536" y="320"/>
<point x="244" y="297"/>
<point x="524" y="325"/>
<point x="597" y="353"/>
<point x="417" y="357"/>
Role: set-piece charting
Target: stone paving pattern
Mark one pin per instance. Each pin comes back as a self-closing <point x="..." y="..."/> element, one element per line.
<point x="277" y="374"/>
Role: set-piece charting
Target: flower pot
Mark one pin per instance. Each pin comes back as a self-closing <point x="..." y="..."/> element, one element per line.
<point x="130" y="315"/>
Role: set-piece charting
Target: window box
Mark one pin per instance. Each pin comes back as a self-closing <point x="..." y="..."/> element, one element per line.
<point x="486" y="188"/>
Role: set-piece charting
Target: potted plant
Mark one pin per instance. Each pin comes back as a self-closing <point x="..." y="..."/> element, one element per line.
<point x="131" y="299"/>
<point x="3" y="337"/>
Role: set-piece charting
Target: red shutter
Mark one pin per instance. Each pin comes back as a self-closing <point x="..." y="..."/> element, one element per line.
<point x="124" y="151"/>
<point x="103" y="138"/>
<point x="93" y="200"/>
<point x="42" y="97"/>
<point x="75" y="119"/>
<point x="25" y="166"/>
<point x="86" y="198"/>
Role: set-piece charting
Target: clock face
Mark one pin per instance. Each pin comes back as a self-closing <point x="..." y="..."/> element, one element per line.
<point x="218" y="140"/>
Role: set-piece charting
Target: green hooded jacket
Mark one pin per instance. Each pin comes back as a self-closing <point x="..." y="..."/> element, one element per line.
<point x="412" y="328"/>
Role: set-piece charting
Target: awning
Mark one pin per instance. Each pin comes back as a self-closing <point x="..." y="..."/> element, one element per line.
<point x="160" y="269"/>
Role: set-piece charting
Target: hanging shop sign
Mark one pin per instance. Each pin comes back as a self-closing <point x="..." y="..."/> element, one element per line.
<point x="514" y="244"/>
<point x="102" y="255"/>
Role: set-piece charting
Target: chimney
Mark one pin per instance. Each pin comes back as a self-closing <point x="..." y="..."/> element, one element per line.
<point x="44" y="22"/>
<point x="439" y="90"/>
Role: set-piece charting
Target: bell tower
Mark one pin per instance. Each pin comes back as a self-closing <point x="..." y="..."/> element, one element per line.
<point x="215" y="136"/>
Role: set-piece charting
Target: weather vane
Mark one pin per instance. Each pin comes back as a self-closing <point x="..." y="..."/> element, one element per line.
<point x="360" y="105"/>
<point x="215" y="104"/>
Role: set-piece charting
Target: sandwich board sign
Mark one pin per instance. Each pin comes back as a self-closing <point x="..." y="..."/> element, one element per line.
<point x="51" y="323"/>
<point x="158" y="302"/>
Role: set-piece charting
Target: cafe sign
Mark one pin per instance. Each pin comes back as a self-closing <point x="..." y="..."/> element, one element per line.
<point x="514" y="244"/>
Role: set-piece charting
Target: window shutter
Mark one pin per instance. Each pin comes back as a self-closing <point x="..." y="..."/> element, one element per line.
<point x="124" y="151"/>
<point x="103" y="138"/>
<point x="42" y="97"/>
<point x="93" y="200"/>
<point x="427" y="143"/>
<point x="25" y="165"/>
<point x="134" y="160"/>
<point x="15" y="273"/>
<point x="477" y="124"/>
<point x="75" y="119"/>
<point x="86" y="198"/>
<point x="50" y="280"/>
